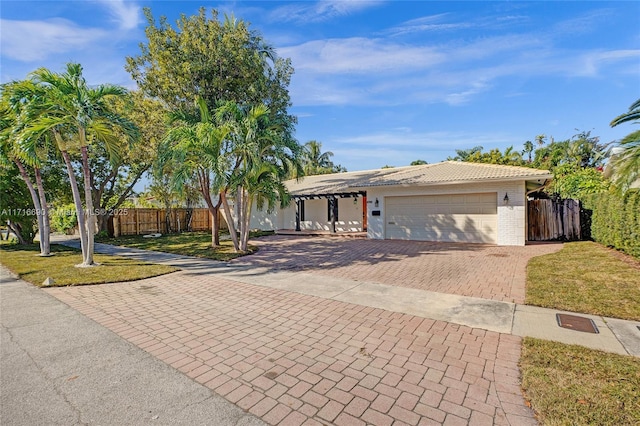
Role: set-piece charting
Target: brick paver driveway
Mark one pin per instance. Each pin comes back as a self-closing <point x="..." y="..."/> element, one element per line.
<point x="294" y="359"/>
<point x="478" y="270"/>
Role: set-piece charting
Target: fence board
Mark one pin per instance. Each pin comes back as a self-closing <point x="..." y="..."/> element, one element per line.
<point x="150" y="221"/>
<point x="554" y="220"/>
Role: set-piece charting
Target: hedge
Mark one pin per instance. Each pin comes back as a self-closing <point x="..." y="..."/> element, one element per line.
<point x="615" y="220"/>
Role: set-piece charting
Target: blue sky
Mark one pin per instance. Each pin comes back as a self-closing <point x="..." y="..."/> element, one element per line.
<point x="385" y="83"/>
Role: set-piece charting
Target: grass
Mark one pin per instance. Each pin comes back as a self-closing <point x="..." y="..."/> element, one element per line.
<point x="25" y="262"/>
<point x="573" y="385"/>
<point x="588" y="278"/>
<point x="188" y="243"/>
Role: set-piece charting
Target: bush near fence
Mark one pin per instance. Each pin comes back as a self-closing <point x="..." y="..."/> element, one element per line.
<point x="615" y="221"/>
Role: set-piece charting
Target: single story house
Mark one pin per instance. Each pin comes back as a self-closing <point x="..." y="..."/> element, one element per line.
<point x="449" y="201"/>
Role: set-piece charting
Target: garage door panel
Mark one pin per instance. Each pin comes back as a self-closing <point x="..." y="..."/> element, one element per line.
<point x="446" y="217"/>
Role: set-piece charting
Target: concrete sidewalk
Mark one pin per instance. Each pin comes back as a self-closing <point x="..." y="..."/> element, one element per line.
<point x="60" y="368"/>
<point x="615" y="335"/>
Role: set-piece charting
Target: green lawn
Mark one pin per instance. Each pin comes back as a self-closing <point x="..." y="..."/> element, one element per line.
<point x="588" y="278"/>
<point x="188" y="243"/>
<point x="573" y="385"/>
<point x="25" y="262"/>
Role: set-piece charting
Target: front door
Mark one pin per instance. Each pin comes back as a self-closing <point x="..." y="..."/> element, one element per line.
<point x="364" y="213"/>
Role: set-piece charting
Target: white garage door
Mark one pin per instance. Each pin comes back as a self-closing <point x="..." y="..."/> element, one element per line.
<point x="447" y="217"/>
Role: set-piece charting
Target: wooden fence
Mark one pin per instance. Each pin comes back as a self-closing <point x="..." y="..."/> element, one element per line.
<point x="150" y="221"/>
<point x="554" y="220"/>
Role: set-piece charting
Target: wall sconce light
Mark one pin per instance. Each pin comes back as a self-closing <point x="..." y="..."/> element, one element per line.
<point x="355" y="201"/>
<point x="377" y="203"/>
<point x="506" y="198"/>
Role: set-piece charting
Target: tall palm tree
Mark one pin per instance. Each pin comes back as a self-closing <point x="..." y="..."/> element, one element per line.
<point x="528" y="148"/>
<point x="12" y="103"/>
<point x="315" y="161"/>
<point x="77" y="115"/>
<point x="627" y="162"/>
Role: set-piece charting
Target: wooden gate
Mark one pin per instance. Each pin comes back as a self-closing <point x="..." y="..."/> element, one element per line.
<point x="550" y="220"/>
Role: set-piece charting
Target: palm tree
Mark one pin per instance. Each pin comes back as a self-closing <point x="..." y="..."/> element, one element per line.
<point x="632" y="115"/>
<point x="627" y="162"/>
<point x="528" y="148"/>
<point x="78" y="116"/>
<point x="511" y="157"/>
<point x="263" y="156"/>
<point x="315" y="161"/>
<point x="194" y="148"/>
<point x="13" y="100"/>
<point x="465" y="154"/>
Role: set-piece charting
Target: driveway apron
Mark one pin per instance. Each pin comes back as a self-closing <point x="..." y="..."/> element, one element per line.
<point x="295" y="359"/>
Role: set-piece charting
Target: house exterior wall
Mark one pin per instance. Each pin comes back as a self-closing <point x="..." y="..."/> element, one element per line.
<point x="261" y="219"/>
<point x="511" y="221"/>
<point x="316" y="215"/>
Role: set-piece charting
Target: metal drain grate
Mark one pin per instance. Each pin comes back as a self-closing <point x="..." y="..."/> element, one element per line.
<point x="576" y="323"/>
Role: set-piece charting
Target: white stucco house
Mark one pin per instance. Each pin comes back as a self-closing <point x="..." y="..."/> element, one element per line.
<point x="448" y="201"/>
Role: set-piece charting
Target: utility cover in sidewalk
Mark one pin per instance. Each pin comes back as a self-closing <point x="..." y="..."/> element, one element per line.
<point x="576" y="323"/>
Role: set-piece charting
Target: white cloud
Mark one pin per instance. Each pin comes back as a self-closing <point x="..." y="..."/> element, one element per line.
<point x="126" y="14"/>
<point x="304" y="12"/>
<point x="439" y="23"/>
<point x="359" y="55"/>
<point x="428" y="23"/>
<point x="377" y="71"/>
<point x="29" y="41"/>
<point x="401" y="146"/>
<point x="593" y="62"/>
<point x="582" y="24"/>
<point x="405" y="138"/>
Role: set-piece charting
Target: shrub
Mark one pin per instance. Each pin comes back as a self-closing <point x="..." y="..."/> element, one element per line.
<point x="615" y="220"/>
<point x="63" y="218"/>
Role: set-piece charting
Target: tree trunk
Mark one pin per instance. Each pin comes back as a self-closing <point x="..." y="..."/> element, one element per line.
<point x="45" y="230"/>
<point x="204" y="181"/>
<point x="188" y="219"/>
<point x="215" y="225"/>
<point x="88" y="199"/>
<point x="167" y="218"/>
<point x="78" y="203"/>
<point x="229" y="219"/>
<point x="15" y="228"/>
<point x="102" y="218"/>
<point x="246" y="220"/>
<point x="36" y="205"/>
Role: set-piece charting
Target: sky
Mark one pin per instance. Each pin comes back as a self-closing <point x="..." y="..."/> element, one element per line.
<point x="384" y="83"/>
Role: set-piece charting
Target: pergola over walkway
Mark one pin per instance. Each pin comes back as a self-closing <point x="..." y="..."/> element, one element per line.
<point x="333" y="204"/>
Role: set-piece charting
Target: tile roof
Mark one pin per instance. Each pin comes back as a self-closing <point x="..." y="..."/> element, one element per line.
<point x="446" y="172"/>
